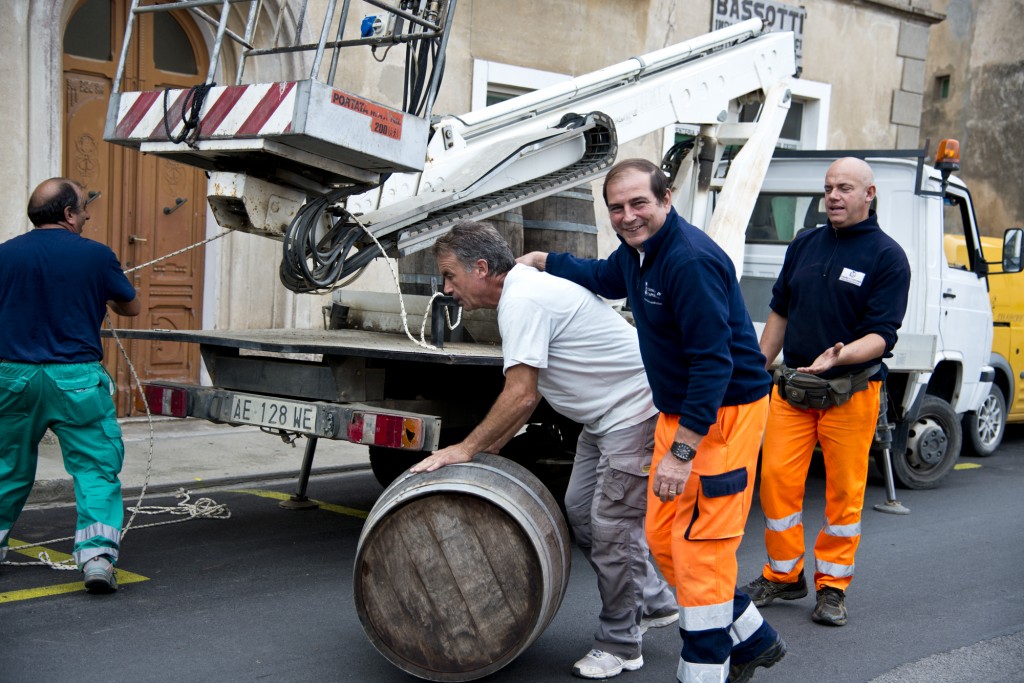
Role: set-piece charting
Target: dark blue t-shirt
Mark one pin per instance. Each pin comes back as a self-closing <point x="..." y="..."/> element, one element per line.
<point x="54" y="286"/>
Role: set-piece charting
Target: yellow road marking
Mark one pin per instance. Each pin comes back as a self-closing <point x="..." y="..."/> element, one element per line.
<point x="340" y="509"/>
<point x="966" y="466"/>
<point x="123" y="576"/>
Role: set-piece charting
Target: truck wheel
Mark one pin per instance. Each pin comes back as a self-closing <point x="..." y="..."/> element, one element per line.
<point x="548" y="453"/>
<point x="985" y="428"/>
<point x="933" y="445"/>
<point x="388" y="463"/>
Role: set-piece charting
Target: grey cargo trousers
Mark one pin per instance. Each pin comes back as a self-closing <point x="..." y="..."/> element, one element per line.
<point x="605" y="503"/>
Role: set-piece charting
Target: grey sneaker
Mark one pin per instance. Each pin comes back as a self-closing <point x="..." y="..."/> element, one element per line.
<point x="762" y="591"/>
<point x="600" y="664"/>
<point x="658" y="620"/>
<point x="771" y="655"/>
<point x="831" y="607"/>
<point x="99" y="575"/>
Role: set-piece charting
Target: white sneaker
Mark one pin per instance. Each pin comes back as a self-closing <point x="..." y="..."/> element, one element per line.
<point x="599" y="664"/>
<point x="654" y="621"/>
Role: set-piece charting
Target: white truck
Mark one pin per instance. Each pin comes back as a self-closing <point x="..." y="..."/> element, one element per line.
<point x="340" y="179"/>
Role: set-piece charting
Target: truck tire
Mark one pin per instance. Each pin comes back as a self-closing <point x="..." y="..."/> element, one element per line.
<point x="984" y="429"/>
<point x="388" y="463"/>
<point x="547" y="451"/>
<point x="932" y="446"/>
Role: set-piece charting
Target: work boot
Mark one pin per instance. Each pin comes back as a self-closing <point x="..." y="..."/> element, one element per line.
<point x="99" y="575"/>
<point x="762" y="591"/>
<point x="658" y="619"/>
<point x="831" y="607"/>
<point x="600" y="664"/>
<point x="771" y="655"/>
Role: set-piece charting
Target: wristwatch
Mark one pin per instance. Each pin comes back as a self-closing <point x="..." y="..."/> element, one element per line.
<point x="683" y="451"/>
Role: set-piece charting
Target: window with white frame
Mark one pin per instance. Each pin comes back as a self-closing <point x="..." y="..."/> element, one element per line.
<point x="806" y="125"/>
<point x="495" y="82"/>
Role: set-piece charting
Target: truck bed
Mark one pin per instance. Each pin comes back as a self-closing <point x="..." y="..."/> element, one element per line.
<point x="328" y="342"/>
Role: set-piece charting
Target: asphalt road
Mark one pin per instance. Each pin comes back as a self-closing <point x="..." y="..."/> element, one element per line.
<point x="266" y="595"/>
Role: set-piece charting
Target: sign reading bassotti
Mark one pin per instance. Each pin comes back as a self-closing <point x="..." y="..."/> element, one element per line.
<point x="779" y="16"/>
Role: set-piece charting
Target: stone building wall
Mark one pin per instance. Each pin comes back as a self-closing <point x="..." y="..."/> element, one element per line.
<point x="975" y="93"/>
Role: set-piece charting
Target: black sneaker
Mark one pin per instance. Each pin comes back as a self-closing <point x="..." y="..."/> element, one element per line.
<point x="771" y="655"/>
<point x="762" y="591"/>
<point x="831" y="607"/>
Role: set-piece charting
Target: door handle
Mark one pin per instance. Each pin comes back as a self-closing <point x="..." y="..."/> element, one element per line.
<point x="132" y="239"/>
<point x="177" y="203"/>
<point x="949" y="294"/>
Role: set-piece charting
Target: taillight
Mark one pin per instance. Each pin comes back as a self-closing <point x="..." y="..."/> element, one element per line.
<point x="390" y="431"/>
<point x="162" y="400"/>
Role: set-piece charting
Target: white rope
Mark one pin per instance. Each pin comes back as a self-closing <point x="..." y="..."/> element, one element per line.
<point x="137" y="384"/>
<point x="202" y="508"/>
<point x="422" y="341"/>
<point x="180" y="251"/>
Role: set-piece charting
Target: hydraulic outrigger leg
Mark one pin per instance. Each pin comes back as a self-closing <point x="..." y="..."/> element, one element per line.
<point x="883" y="434"/>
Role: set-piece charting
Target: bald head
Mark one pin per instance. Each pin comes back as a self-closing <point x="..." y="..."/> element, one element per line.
<point x="57" y="202"/>
<point x="849" y="190"/>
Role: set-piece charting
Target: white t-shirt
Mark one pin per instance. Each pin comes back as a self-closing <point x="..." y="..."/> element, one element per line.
<point x="587" y="355"/>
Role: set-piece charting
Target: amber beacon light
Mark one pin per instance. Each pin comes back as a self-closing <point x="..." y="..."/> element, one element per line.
<point x="948" y="157"/>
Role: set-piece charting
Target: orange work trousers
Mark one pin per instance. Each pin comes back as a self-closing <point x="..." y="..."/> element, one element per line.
<point x="694" y="538"/>
<point x="845" y="433"/>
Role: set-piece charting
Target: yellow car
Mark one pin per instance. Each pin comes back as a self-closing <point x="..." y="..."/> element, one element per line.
<point x="984" y="429"/>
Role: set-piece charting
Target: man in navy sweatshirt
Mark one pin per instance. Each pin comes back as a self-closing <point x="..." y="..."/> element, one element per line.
<point x="709" y="382"/>
<point x="835" y="309"/>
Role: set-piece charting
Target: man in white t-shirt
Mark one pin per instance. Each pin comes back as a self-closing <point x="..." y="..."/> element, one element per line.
<point x="563" y="343"/>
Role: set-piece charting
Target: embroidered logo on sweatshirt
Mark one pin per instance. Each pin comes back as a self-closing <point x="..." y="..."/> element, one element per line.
<point x="852" y="276"/>
<point x="652" y="295"/>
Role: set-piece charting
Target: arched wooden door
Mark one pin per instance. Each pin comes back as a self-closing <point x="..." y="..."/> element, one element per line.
<point x="149" y="206"/>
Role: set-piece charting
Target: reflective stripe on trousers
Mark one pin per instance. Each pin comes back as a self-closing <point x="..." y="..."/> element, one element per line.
<point x="694" y="540"/>
<point x="845" y="433"/>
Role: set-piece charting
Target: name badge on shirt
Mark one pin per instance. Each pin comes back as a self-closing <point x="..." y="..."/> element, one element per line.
<point x="852" y="276"/>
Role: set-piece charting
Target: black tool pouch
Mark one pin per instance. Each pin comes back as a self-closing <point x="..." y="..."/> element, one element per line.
<point x="806" y="391"/>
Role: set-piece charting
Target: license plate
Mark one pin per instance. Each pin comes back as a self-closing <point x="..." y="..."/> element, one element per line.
<point x="272" y="412"/>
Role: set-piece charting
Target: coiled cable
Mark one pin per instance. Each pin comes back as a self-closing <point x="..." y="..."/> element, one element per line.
<point x="309" y="264"/>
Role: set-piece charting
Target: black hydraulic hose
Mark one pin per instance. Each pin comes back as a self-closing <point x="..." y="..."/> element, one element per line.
<point x="309" y="264"/>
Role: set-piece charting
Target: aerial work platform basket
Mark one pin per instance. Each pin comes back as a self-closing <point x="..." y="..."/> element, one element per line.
<point x="305" y="134"/>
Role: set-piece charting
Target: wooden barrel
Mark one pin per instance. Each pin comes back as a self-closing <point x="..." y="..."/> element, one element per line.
<point x="459" y="570"/>
<point x="418" y="273"/>
<point x="561" y="222"/>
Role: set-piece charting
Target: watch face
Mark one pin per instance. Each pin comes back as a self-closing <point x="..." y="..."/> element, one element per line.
<point x="683" y="451"/>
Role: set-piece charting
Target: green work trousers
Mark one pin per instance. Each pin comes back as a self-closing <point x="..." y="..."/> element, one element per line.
<point x="73" y="401"/>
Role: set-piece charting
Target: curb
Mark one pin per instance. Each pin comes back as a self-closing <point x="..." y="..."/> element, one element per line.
<point x="57" y="491"/>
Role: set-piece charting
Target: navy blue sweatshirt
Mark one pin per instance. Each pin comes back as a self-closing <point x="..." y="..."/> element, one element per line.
<point x="698" y="344"/>
<point x="838" y="285"/>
